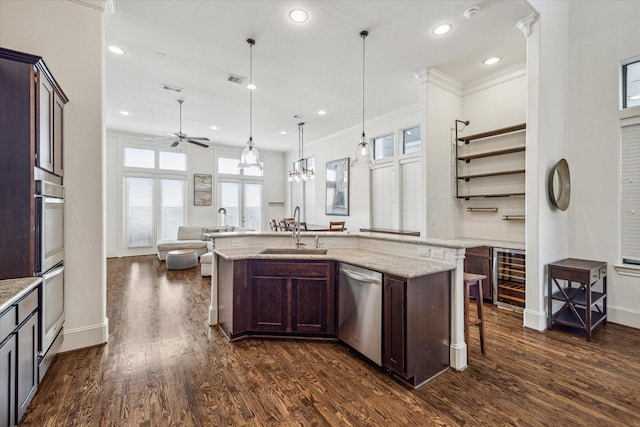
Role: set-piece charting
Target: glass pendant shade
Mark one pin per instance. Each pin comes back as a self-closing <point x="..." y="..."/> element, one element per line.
<point x="250" y="157"/>
<point x="364" y="156"/>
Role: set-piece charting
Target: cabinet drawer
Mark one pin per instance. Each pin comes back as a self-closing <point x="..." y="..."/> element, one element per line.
<point x="7" y="322"/>
<point x="294" y="269"/>
<point x="27" y="305"/>
<point x="483" y="251"/>
<point x="581" y="276"/>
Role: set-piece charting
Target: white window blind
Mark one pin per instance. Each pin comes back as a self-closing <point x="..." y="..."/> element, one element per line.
<point x="630" y="191"/>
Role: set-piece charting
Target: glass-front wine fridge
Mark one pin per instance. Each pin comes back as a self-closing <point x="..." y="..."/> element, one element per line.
<point x="509" y="278"/>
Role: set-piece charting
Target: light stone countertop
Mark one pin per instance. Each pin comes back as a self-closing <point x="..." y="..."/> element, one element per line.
<point x="401" y="266"/>
<point x="12" y="290"/>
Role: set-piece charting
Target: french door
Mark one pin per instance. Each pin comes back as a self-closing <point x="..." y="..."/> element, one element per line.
<point x="243" y="202"/>
<point x="154" y="209"/>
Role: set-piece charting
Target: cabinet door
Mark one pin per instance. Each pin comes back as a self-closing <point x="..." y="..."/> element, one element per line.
<point x="45" y="136"/>
<point x="27" y="336"/>
<point x="270" y="304"/>
<point x="8" y="382"/>
<point x="58" y="135"/>
<point x="310" y="305"/>
<point x="395" y="325"/>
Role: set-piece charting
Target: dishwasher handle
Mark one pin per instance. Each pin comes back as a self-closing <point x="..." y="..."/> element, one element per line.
<point x="360" y="277"/>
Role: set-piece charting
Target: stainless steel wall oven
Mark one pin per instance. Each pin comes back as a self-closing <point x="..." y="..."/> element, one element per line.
<point x="50" y="266"/>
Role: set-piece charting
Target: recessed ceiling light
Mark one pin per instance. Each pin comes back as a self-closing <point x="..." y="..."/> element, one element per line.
<point x="283" y="132"/>
<point x="115" y="49"/>
<point x="214" y="128"/>
<point x="322" y="112"/>
<point x="442" y="29"/>
<point x="125" y="113"/>
<point x="491" y="61"/>
<point x="298" y="16"/>
<point x="252" y="86"/>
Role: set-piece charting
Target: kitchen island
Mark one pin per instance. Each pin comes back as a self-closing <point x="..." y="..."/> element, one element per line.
<point x="403" y="258"/>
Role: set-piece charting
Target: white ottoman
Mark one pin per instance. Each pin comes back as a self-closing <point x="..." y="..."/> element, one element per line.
<point x="206" y="264"/>
<point x="181" y="259"/>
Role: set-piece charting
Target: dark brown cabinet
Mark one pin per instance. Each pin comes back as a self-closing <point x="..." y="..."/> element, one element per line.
<point x="31" y="121"/>
<point x="8" y="381"/>
<point x="18" y="357"/>
<point x="479" y="261"/>
<point x="276" y="297"/>
<point x="394" y="322"/>
<point x="416" y="326"/>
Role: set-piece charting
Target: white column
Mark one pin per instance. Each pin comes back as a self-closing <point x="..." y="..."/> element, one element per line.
<point x="458" y="348"/>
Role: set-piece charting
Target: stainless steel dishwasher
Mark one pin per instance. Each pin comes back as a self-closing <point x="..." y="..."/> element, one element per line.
<point x="360" y="310"/>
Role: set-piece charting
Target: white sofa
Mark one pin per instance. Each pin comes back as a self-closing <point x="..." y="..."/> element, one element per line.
<point x="190" y="237"/>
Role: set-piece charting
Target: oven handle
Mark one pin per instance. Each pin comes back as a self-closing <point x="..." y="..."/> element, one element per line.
<point x="53" y="273"/>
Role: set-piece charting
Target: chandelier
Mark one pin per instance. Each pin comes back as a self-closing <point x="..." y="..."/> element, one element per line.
<point x="301" y="170"/>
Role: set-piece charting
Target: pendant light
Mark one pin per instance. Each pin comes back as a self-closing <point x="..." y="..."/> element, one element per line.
<point x="363" y="157"/>
<point x="250" y="157"/>
<point x="300" y="170"/>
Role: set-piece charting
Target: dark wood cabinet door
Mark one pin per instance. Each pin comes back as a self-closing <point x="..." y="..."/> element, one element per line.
<point x="394" y="326"/>
<point x="310" y="305"/>
<point x="8" y="382"/>
<point x="478" y="261"/>
<point x="45" y="126"/>
<point x="270" y="304"/>
<point x="58" y="135"/>
<point x="27" y="363"/>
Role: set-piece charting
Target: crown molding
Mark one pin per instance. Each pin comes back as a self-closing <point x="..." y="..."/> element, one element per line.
<point x="507" y="74"/>
<point x="439" y="79"/>
<point x="93" y="4"/>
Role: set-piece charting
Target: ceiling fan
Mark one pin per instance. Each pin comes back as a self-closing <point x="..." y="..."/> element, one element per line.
<point x="181" y="137"/>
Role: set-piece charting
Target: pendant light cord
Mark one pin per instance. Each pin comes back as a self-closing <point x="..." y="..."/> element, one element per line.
<point x="364" y="35"/>
<point x="251" y="43"/>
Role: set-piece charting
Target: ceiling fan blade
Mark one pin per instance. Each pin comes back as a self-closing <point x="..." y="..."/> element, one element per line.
<point x="196" y="138"/>
<point x="198" y="143"/>
<point x="170" y="134"/>
<point x="175" y="143"/>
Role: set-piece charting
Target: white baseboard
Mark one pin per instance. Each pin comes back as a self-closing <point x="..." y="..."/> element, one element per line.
<point x="623" y="316"/>
<point x="85" y="337"/>
<point x="535" y="320"/>
<point x="213" y="315"/>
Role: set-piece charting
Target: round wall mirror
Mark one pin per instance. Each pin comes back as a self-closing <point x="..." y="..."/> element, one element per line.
<point x="559" y="185"/>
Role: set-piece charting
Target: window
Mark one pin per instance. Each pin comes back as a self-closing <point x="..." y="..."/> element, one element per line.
<point x="384" y="146"/>
<point x="139" y="158"/>
<point x="411" y="140"/>
<point x="155" y="194"/>
<point x="630" y="191"/>
<point x="631" y="84"/>
<point x="172" y="161"/>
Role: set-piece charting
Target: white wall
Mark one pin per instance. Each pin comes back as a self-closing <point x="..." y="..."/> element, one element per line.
<point x="495" y="102"/>
<point x="601" y="35"/>
<point x="70" y="38"/>
<point x="199" y="161"/>
<point x="337" y="146"/>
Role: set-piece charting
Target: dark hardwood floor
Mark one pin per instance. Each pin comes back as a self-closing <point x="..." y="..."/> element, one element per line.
<point x="164" y="366"/>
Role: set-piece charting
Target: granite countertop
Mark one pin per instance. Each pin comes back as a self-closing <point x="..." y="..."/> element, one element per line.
<point x="401" y="266"/>
<point x="12" y="290"/>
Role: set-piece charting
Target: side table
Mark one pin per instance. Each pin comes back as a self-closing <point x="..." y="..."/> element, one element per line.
<point x="582" y="307"/>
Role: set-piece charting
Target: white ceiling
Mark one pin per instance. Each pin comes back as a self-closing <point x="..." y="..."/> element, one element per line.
<point x="299" y="68"/>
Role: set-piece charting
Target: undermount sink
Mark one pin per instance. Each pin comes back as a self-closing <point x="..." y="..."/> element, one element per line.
<point x="294" y="251"/>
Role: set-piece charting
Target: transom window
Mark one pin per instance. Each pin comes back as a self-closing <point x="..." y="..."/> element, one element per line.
<point x="229" y="166"/>
<point x="411" y="140"/>
<point x="384" y="146"/>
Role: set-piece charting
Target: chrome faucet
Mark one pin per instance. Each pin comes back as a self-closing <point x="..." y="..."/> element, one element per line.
<point x="296" y="227"/>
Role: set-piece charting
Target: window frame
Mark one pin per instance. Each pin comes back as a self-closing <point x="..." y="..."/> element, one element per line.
<point x="623" y="82"/>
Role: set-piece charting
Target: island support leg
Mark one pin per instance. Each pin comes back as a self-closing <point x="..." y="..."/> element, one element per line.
<point x="458" y="347"/>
